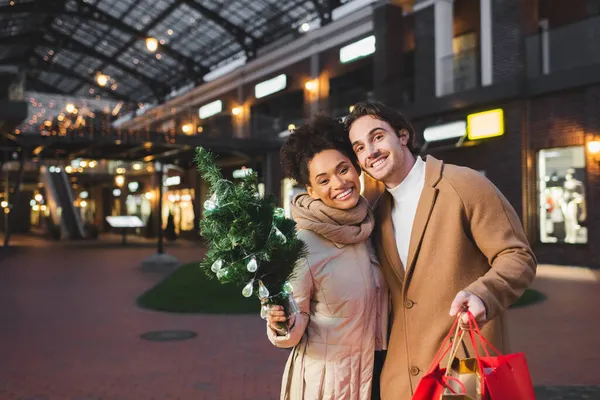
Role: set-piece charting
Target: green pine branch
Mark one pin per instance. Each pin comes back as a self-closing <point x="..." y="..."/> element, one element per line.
<point x="239" y="225"/>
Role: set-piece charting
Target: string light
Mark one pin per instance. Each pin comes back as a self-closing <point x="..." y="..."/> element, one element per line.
<point x="151" y="44"/>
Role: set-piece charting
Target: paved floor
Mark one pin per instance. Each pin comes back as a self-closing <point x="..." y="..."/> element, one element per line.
<point x="70" y="330"/>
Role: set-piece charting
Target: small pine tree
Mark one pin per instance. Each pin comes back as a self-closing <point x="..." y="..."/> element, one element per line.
<point x="251" y="243"/>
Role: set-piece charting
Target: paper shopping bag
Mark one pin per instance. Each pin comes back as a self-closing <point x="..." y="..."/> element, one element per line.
<point x="465" y="371"/>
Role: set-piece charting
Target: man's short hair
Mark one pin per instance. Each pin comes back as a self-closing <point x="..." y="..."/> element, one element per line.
<point x="384" y="113"/>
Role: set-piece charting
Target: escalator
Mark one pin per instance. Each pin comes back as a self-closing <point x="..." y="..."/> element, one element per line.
<point x="59" y="199"/>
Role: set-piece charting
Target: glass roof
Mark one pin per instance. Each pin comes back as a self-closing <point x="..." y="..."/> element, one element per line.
<point x="65" y="44"/>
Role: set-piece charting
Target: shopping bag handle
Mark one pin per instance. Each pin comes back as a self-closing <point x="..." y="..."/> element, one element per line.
<point x="445" y="380"/>
<point x="475" y="332"/>
<point x="445" y="347"/>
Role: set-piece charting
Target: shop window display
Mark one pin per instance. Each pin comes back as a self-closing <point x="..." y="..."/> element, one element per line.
<point x="563" y="211"/>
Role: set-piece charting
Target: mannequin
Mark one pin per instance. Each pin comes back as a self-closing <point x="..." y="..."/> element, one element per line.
<point x="573" y="206"/>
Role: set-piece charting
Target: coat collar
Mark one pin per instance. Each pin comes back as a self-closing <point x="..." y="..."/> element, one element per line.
<point x="384" y="205"/>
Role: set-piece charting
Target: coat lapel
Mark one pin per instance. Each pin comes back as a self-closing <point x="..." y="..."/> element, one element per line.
<point x="387" y="237"/>
<point x="433" y="174"/>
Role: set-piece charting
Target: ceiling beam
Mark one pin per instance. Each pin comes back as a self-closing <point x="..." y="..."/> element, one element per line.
<point x="54" y="68"/>
<point x="62" y="41"/>
<point x="89" y="11"/>
<point x="249" y="42"/>
<point x="195" y="70"/>
<point x="43" y="86"/>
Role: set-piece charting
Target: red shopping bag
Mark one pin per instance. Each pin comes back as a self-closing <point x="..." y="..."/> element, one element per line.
<point x="436" y="381"/>
<point x="502" y="377"/>
<point x="506" y="377"/>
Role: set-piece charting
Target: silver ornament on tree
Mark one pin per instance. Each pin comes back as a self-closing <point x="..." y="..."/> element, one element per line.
<point x="248" y="289"/>
<point x="264" y="311"/>
<point x="263" y="292"/>
<point x="212" y="203"/>
<point x="279" y="212"/>
<point x="252" y="265"/>
<point x="222" y="272"/>
<point x="216" y="266"/>
<point x="280" y="235"/>
<point x="287" y="287"/>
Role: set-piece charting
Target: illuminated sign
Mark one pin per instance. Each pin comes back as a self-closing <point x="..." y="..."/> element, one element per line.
<point x="172" y="181"/>
<point x="210" y="109"/>
<point x="452" y="130"/>
<point x="356" y="50"/>
<point x="485" y="124"/>
<point x="271" y="86"/>
<point x="125" y="221"/>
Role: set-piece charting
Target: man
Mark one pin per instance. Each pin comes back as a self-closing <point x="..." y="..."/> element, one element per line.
<point x="446" y="238"/>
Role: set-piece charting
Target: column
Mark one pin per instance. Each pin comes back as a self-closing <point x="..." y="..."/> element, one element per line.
<point x="444" y="32"/>
<point x="388" y="59"/>
<point x="486" y="42"/>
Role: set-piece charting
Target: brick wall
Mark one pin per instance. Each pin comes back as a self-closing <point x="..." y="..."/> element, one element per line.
<point x="569" y="119"/>
<point x="506" y="39"/>
<point x="499" y="157"/>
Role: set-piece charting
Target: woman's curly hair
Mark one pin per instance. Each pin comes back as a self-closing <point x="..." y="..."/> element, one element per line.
<point x="322" y="133"/>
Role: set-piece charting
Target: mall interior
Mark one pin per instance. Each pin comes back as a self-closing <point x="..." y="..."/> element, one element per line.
<point x="102" y="104"/>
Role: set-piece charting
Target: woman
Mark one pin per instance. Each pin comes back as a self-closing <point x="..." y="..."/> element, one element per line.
<point x="338" y="287"/>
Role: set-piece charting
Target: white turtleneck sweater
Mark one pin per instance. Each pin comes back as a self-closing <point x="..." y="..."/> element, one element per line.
<point x="406" y="199"/>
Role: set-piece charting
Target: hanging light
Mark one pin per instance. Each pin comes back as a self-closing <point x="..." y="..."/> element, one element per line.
<point x="151" y="44"/>
<point x="187" y="128"/>
<point x="102" y="79"/>
<point x="119" y="180"/>
<point x="311" y="86"/>
<point x="70" y="108"/>
<point x="236" y="110"/>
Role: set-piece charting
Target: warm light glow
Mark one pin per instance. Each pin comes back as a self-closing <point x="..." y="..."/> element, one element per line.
<point x="93" y="164"/>
<point x="121" y="170"/>
<point x="149" y="195"/>
<point x="351" y="108"/>
<point x="151" y="44"/>
<point x="39" y="198"/>
<point x="83" y="164"/>
<point x="4" y="204"/>
<point x="119" y="180"/>
<point x="594" y="147"/>
<point x="102" y="79"/>
<point x="83" y="204"/>
<point x="60" y="117"/>
<point x="236" y="110"/>
<point x="485" y="124"/>
<point x="311" y="86"/>
<point x="48" y="123"/>
<point x="35" y="208"/>
<point x="68" y="169"/>
<point x="291" y="127"/>
<point x="187" y="128"/>
<point x="43" y="207"/>
<point x="70" y="108"/>
<point x="200" y="129"/>
<point x="137" y="166"/>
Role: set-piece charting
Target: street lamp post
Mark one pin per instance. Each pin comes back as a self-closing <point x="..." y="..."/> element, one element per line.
<point x="160" y="173"/>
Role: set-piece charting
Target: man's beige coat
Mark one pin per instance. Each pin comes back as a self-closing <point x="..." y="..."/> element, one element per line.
<point x="465" y="236"/>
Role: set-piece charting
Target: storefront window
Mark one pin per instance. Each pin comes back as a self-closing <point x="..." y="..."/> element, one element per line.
<point x="179" y="204"/>
<point x="561" y="177"/>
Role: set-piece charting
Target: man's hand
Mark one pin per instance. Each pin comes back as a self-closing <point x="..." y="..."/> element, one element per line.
<point x="466" y="301"/>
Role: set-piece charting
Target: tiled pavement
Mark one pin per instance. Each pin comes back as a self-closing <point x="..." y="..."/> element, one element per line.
<point x="69" y="330"/>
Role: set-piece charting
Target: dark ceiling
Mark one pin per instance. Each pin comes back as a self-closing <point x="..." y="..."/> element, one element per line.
<point x="63" y="44"/>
